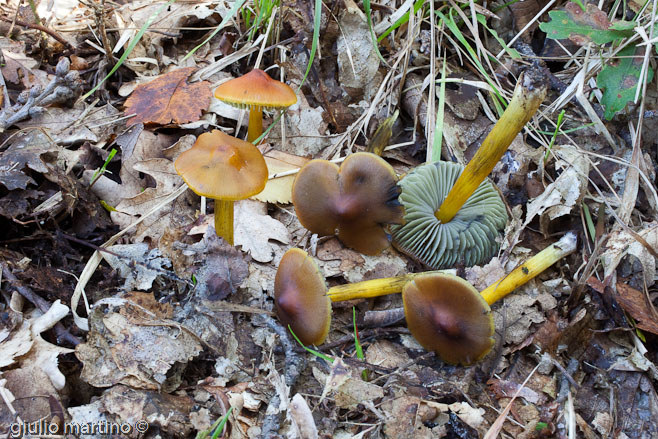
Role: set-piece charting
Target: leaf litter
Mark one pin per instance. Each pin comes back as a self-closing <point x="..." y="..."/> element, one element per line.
<point x="175" y="324"/>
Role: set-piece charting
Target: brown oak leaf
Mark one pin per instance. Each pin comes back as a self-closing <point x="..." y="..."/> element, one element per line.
<point x="169" y="99"/>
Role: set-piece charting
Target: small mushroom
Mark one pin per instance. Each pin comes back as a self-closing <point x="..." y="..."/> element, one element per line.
<point x="452" y="214"/>
<point x="354" y="200"/>
<point x="225" y="169"/>
<point x="448" y="316"/>
<point x="300" y="297"/>
<point x="469" y="238"/>
<point x="256" y="91"/>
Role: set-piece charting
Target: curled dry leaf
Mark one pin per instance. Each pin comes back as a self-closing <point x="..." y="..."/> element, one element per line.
<point x="565" y="192"/>
<point x="169" y="99"/>
<point x="254" y="229"/>
<point x="135" y="344"/>
<point x="303" y="417"/>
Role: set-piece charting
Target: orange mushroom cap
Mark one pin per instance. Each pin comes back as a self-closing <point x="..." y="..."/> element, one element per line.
<point x="355" y="199"/>
<point x="222" y="167"/>
<point x="300" y="297"/>
<point x="447" y="315"/>
<point x="256" y="88"/>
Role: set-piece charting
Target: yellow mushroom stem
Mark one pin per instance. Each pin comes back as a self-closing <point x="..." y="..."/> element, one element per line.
<point x="519" y="276"/>
<point x="224" y="220"/>
<point x="373" y="288"/>
<point x="530" y="268"/>
<point x="255" y="128"/>
<point x="529" y="93"/>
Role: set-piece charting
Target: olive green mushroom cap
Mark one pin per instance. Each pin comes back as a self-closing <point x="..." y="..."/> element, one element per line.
<point x="300" y="297"/>
<point x="469" y="238"/>
<point x="448" y="316"/>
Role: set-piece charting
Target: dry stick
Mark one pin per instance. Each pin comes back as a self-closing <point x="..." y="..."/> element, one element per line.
<point x="41" y="303"/>
<point x="41" y="28"/>
<point x="528" y="95"/>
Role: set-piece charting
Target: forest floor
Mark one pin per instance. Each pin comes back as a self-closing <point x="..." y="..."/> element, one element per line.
<point x="121" y="307"/>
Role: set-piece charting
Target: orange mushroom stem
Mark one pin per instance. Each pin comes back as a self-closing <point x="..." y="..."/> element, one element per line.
<point x="256" y="90"/>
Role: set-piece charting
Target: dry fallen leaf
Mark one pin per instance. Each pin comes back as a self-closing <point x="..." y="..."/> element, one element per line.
<point x="566" y="191"/>
<point x="169" y="99"/>
<point x="135" y="344"/>
<point x="254" y="229"/>
<point x="279" y="190"/>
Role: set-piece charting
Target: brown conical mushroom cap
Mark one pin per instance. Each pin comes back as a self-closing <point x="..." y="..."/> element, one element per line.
<point x="256" y="88"/>
<point x="222" y="167"/>
<point x="355" y="200"/>
<point x="448" y="316"/>
<point x="300" y="297"/>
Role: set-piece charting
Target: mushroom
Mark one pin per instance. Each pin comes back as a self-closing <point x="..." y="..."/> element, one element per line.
<point x="302" y="300"/>
<point x="469" y="238"/>
<point x="447" y="315"/>
<point x="453" y="214"/>
<point x="255" y="91"/>
<point x="300" y="297"/>
<point x="444" y="313"/>
<point x="226" y="169"/>
<point x="354" y="200"/>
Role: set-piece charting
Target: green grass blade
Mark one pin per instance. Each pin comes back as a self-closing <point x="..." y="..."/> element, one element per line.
<point x="588" y="221"/>
<point x="130" y="47"/>
<point x="557" y="129"/>
<point x="101" y="171"/>
<point x="317" y="17"/>
<point x="312" y="351"/>
<point x="357" y="345"/>
<point x="400" y="21"/>
<point x="237" y="5"/>
<point x="456" y="32"/>
<point x="373" y="37"/>
<point x="222" y="423"/>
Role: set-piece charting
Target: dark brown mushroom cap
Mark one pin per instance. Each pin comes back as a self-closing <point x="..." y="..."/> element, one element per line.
<point x="469" y="238"/>
<point x="448" y="316"/>
<point x="355" y="199"/>
<point x="300" y="297"/>
<point x="222" y="167"/>
<point x="256" y="88"/>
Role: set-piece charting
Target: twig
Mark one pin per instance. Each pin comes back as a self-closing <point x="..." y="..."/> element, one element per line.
<point x="64" y="86"/>
<point x="294" y="364"/>
<point x="41" y="28"/>
<point x="41" y="303"/>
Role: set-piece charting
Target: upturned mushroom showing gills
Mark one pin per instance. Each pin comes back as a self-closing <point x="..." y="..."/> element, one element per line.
<point x="452" y="214"/>
<point x="256" y="91"/>
<point x="225" y="169"/>
<point x="354" y="200"/>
